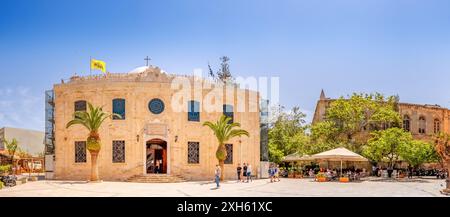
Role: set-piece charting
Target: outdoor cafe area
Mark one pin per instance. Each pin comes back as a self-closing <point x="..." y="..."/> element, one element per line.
<point x="340" y="165"/>
<point x="23" y="164"/>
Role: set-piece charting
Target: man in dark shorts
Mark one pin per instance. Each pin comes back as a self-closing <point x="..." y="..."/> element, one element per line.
<point x="245" y="171"/>
<point x="239" y="170"/>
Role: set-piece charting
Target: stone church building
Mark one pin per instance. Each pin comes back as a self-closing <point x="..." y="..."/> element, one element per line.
<point x="423" y="121"/>
<point x="155" y="130"/>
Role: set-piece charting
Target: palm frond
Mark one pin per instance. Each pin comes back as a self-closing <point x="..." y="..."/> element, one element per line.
<point x="224" y="131"/>
<point x="92" y="119"/>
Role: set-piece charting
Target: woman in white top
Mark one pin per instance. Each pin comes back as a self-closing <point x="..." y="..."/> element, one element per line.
<point x="249" y="173"/>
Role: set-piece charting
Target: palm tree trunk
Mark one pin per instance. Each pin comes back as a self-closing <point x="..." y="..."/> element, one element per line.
<point x="221" y="164"/>
<point x="94" y="166"/>
<point x="221" y="155"/>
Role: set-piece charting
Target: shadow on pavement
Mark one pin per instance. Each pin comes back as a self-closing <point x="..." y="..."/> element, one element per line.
<point x="400" y="180"/>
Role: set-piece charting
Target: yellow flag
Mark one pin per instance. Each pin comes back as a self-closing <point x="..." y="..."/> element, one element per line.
<point x="98" y="64"/>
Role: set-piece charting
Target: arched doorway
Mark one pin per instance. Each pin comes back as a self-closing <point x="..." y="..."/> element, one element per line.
<point x="156" y="162"/>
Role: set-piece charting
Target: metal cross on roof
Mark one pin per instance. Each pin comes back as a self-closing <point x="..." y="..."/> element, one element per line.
<point x="147" y="59"/>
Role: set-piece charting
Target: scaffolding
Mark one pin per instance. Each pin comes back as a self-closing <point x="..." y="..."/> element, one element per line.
<point x="49" y="122"/>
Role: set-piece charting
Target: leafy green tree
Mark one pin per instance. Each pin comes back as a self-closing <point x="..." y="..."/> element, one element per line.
<point x="224" y="131"/>
<point x="387" y="144"/>
<point x="275" y="154"/>
<point x="287" y="134"/>
<point x="350" y="121"/>
<point x="324" y="137"/>
<point x="418" y="152"/>
<point x="92" y="120"/>
<point x="12" y="146"/>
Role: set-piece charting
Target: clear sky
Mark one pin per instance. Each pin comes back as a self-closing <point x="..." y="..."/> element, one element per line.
<point x="390" y="46"/>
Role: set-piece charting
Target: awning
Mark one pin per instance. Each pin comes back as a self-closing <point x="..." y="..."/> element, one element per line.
<point x="339" y="154"/>
<point x="297" y="157"/>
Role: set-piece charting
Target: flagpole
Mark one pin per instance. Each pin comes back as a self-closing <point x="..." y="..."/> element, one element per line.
<point x="90" y="65"/>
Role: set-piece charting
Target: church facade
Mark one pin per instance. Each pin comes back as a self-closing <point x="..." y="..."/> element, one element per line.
<point x="160" y="129"/>
<point x="423" y="121"/>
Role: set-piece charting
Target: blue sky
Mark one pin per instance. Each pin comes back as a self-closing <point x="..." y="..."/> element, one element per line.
<point x="390" y="46"/>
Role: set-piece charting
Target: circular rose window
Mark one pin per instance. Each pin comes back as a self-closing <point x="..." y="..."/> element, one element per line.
<point x="156" y="106"/>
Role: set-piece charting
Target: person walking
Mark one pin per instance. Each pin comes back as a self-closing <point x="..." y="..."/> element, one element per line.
<point x="157" y="167"/>
<point x="410" y="172"/>
<point x="217" y="173"/>
<point x="249" y="173"/>
<point x="271" y="173"/>
<point x="277" y="173"/>
<point x="244" y="172"/>
<point x="239" y="172"/>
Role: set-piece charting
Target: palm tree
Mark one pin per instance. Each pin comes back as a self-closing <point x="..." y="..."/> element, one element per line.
<point x="223" y="130"/>
<point x="91" y="120"/>
<point x="443" y="150"/>
<point x="12" y="146"/>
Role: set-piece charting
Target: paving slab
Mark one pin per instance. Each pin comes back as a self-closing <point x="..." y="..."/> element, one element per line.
<point x="257" y="188"/>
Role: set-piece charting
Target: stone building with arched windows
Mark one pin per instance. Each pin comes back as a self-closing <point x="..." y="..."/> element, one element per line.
<point x="423" y="121"/>
<point x="159" y="129"/>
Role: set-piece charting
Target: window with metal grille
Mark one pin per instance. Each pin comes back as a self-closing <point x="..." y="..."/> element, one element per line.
<point x="118" y="151"/>
<point x="80" y="152"/>
<point x="437" y="126"/>
<point x="80" y="106"/>
<point x="406" y="123"/>
<point x="119" y="109"/>
<point x="193" y="152"/>
<point x="422" y="125"/>
<point x="229" y="148"/>
<point x="228" y="111"/>
<point x="193" y="111"/>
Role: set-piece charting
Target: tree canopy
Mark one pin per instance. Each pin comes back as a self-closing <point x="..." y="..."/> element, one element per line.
<point x="368" y="124"/>
<point x="287" y="134"/>
<point x="394" y="144"/>
<point x="349" y="121"/>
<point x="386" y="145"/>
<point x="418" y="152"/>
<point x="224" y="73"/>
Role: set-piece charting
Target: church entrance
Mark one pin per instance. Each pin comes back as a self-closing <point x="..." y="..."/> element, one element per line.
<point x="156" y="156"/>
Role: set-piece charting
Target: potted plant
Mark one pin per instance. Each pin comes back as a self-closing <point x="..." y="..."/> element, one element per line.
<point x="4" y="169"/>
<point x="291" y="172"/>
<point x="299" y="173"/>
<point x="321" y="177"/>
<point x="344" y="179"/>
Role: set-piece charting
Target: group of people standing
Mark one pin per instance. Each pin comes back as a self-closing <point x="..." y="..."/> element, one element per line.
<point x="244" y="173"/>
<point x="274" y="173"/>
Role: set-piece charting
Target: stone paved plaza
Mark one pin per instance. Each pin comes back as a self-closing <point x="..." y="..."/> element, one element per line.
<point x="258" y="188"/>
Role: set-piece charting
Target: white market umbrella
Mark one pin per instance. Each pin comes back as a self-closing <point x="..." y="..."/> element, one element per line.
<point x="292" y="157"/>
<point x="339" y="154"/>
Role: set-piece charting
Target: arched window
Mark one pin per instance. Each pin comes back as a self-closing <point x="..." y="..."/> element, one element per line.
<point x="422" y="125"/>
<point x="406" y="123"/>
<point x="193" y="111"/>
<point x="119" y="108"/>
<point x="228" y="111"/>
<point x="437" y="126"/>
<point x="80" y="106"/>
